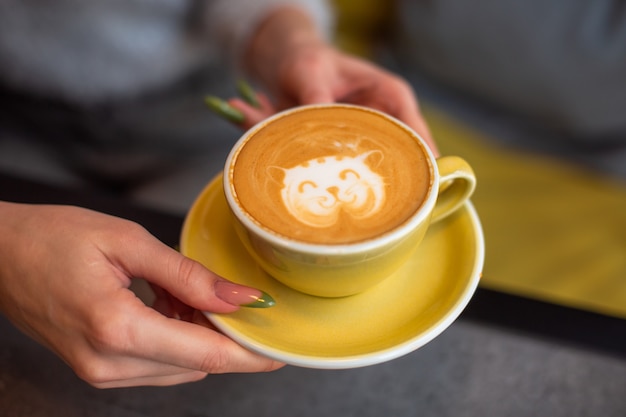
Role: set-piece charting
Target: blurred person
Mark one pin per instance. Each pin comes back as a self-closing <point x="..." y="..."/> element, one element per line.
<point x="560" y="64"/>
<point x="114" y="91"/>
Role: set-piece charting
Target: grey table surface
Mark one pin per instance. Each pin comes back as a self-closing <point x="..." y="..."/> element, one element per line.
<point x="505" y="356"/>
<point x="472" y="369"/>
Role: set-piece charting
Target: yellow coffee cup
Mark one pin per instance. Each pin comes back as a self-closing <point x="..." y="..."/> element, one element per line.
<point x="331" y="199"/>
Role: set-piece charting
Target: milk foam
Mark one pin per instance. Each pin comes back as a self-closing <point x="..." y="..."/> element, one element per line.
<point x="330" y="175"/>
<point x="318" y="190"/>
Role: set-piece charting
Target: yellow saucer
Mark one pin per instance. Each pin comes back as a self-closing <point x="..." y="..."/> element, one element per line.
<point x="394" y="318"/>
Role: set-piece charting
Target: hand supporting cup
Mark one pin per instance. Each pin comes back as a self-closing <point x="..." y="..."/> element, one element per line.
<point x="332" y="199"/>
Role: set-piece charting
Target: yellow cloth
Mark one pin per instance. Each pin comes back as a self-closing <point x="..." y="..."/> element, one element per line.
<point x="553" y="231"/>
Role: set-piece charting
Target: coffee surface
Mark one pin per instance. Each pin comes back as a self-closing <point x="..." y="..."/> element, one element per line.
<point x="331" y="175"/>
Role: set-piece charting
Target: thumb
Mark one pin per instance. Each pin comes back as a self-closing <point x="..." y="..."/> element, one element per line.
<point x="315" y="93"/>
<point x="310" y="86"/>
<point x="188" y="280"/>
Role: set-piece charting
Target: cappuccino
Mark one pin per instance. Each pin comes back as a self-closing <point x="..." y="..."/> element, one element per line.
<point x="336" y="175"/>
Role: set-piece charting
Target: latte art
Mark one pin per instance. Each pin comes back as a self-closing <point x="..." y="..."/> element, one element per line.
<point x="337" y="175"/>
<point x="317" y="191"/>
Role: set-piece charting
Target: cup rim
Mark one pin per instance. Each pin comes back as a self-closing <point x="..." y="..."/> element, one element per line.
<point x="422" y="213"/>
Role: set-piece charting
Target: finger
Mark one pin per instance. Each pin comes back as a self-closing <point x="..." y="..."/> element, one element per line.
<point x="253" y="115"/>
<point x="395" y="97"/>
<point x="137" y="342"/>
<point x="223" y="109"/>
<point x="196" y="347"/>
<point x="416" y="121"/>
<point x="247" y="93"/>
<point x="143" y="256"/>
<point x="315" y="94"/>
<point x="409" y="112"/>
<point x="161" y="381"/>
<point x="123" y="371"/>
<point x="309" y="87"/>
<point x="315" y="77"/>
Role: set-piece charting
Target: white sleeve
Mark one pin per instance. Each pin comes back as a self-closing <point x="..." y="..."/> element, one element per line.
<point x="230" y="23"/>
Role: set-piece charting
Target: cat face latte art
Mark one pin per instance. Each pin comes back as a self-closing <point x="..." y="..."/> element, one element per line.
<point x="331" y="175"/>
<point x="330" y="199"/>
<point x="318" y="191"/>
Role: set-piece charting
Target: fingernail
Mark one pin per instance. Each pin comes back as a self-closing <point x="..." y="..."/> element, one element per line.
<point x="224" y="109"/>
<point x="242" y="296"/>
<point x="247" y="93"/>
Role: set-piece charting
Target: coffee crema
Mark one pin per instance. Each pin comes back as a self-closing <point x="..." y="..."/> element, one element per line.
<point x="330" y="175"/>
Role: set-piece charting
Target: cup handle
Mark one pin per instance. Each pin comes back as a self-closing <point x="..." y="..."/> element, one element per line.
<point x="456" y="184"/>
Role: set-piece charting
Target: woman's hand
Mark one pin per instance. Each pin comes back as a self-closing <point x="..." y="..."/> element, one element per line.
<point x="289" y="58"/>
<point x="65" y="274"/>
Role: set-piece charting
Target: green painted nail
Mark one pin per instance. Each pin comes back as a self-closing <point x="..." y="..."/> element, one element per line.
<point x="264" y="301"/>
<point x="224" y="109"/>
<point x="247" y="93"/>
